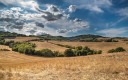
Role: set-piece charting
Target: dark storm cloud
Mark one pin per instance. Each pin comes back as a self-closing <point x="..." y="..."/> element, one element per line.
<point x="49" y="14"/>
<point x="39" y="24"/>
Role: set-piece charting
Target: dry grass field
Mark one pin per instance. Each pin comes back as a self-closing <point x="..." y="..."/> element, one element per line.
<point x="47" y="45"/>
<point x="105" y="46"/>
<point x="4" y="47"/>
<point x="21" y="39"/>
<point x="15" y="66"/>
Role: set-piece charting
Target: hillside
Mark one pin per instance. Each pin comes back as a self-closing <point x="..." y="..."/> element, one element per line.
<point x="22" y="66"/>
<point x="15" y="66"/>
<point x="9" y="34"/>
<point x="73" y="38"/>
<point x="80" y="38"/>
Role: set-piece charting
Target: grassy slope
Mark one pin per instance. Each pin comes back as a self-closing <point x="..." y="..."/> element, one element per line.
<point x="105" y="46"/>
<point x="20" y="39"/>
<point x="15" y="66"/>
<point x="47" y="45"/>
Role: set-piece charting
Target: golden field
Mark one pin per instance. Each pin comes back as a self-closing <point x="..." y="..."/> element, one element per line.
<point x="105" y="46"/>
<point x="21" y="39"/>
<point x="16" y="66"/>
<point x="47" y="45"/>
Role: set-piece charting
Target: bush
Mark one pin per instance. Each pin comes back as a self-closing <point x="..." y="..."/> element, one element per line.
<point x="78" y="52"/>
<point x="83" y="51"/>
<point x="7" y="43"/>
<point x="58" y="54"/>
<point x="79" y="48"/>
<point x="118" y="49"/>
<point x="69" y="53"/>
<point x="111" y="51"/>
<point x="2" y="41"/>
<point x="99" y="52"/>
<point x="24" y="47"/>
<point x="45" y="53"/>
<point x="111" y="40"/>
<point x="67" y="46"/>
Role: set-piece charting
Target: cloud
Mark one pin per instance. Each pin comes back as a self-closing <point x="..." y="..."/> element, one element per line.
<point x="39" y="24"/>
<point x="51" y="20"/>
<point x="123" y="12"/>
<point x="27" y="4"/>
<point x="65" y="26"/>
<point x="94" y="8"/>
<point x="92" y="5"/>
<point x="72" y="8"/>
<point x="113" y="32"/>
<point x="52" y="13"/>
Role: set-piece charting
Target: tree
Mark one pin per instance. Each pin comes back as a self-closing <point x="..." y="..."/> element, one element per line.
<point x="45" y="53"/>
<point x="69" y="53"/>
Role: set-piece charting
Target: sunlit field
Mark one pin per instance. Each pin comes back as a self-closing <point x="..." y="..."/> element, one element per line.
<point x="21" y="39"/>
<point x="15" y="66"/>
<point x="63" y="39"/>
<point x="105" y="46"/>
<point x="106" y="66"/>
<point x="47" y="45"/>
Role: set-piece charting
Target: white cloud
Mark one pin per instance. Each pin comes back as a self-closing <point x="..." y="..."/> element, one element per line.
<point x="52" y="21"/>
<point x="94" y="8"/>
<point x="92" y="5"/>
<point x="28" y="4"/>
<point x="123" y="12"/>
<point x="72" y="8"/>
<point x="113" y="32"/>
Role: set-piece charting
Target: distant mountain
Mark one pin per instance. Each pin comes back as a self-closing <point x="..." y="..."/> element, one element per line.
<point x="81" y="38"/>
<point x="9" y="34"/>
<point x="74" y="38"/>
<point x="86" y="36"/>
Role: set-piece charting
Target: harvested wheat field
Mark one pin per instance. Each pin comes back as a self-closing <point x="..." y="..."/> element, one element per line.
<point x="15" y="66"/>
<point x="4" y="47"/>
<point x="105" y="46"/>
<point x="21" y="39"/>
<point x="47" y="45"/>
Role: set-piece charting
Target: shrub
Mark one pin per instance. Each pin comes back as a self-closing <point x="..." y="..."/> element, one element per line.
<point x="2" y="41"/>
<point x="78" y="52"/>
<point x="111" y="40"/>
<point x="91" y="52"/>
<point x="99" y="52"/>
<point x="111" y="51"/>
<point x="69" y="53"/>
<point x="118" y="49"/>
<point x="67" y="46"/>
<point x="7" y="43"/>
<point x="24" y="47"/>
<point x="79" y="48"/>
<point x="58" y="54"/>
<point x="45" y="53"/>
<point x="83" y="51"/>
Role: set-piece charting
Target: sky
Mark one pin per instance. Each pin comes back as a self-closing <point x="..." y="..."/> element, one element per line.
<point x="65" y="17"/>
